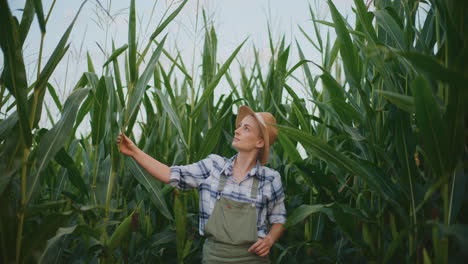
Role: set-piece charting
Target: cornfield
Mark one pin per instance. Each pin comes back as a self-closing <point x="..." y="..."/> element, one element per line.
<point x="380" y="177"/>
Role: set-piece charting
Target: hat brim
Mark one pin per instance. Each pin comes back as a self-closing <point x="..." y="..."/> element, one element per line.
<point x="245" y="111"/>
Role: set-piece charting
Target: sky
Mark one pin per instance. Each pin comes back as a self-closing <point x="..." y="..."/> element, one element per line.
<point x="104" y="21"/>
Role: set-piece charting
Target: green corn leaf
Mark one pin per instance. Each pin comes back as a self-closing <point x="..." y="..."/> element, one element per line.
<point x="50" y="252"/>
<point x="316" y="178"/>
<point x="396" y="243"/>
<point x="55" y="138"/>
<point x="308" y="38"/>
<point x="141" y="85"/>
<point x="316" y="29"/>
<point x="132" y="45"/>
<point x="289" y="148"/>
<point x="405" y="147"/>
<point x="347" y="224"/>
<point x="365" y="18"/>
<point x="345" y="111"/>
<point x="166" y="22"/>
<point x="90" y="63"/>
<point x="74" y="175"/>
<point x="159" y="29"/>
<point x="297" y="65"/>
<point x="460" y="234"/>
<point x="172" y="116"/>
<point x="304" y="211"/>
<point x="429" y="121"/>
<point x="435" y="69"/>
<point x="118" y="79"/>
<point x="311" y="81"/>
<point x="54" y="95"/>
<point x="325" y="152"/>
<point x="391" y="27"/>
<point x="99" y="111"/>
<point x="180" y="213"/>
<point x="14" y="71"/>
<point x="351" y="62"/>
<point x="7" y="125"/>
<point x="57" y="54"/>
<point x="212" y="85"/>
<point x="150" y="184"/>
<point x="84" y="110"/>
<point x="121" y="232"/>
<point x="404" y="102"/>
<point x="367" y="237"/>
<point x="209" y="143"/>
<point x="40" y="15"/>
<point x="301" y="116"/>
<point x="26" y="19"/>
<point x="426" y="257"/>
<point x="455" y="120"/>
<point x="115" y="54"/>
<point x="51" y="64"/>
<point x="426" y="37"/>
<point x="178" y="65"/>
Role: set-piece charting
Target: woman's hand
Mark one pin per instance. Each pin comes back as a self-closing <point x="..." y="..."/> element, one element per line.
<point x="126" y="146"/>
<point x="155" y="168"/>
<point x="262" y="246"/>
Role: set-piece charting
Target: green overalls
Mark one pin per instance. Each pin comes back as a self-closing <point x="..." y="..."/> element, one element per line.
<point x="232" y="229"/>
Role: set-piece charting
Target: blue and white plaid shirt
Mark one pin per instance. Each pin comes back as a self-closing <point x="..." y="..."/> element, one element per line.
<point x="205" y="174"/>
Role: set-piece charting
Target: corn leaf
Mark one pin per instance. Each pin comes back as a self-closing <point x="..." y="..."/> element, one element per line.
<point x="132" y="45"/>
<point x="150" y="184"/>
<point x="14" y="71"/>
<point x="432" y="129"/>
<point x="115" y="54"/>
<point x="141" y="85"/>
<point x="99" y="111"/>
<point x="49" y="254"/>
<point x="212" y="85"/>
<point x="55" y="138"/>
<point x="351" y="62"/>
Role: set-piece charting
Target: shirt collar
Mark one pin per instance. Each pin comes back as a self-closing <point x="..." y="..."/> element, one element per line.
<point x="228" y="166"/>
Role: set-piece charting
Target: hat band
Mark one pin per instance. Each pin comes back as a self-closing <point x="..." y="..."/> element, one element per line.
<point x="260" y="118"/>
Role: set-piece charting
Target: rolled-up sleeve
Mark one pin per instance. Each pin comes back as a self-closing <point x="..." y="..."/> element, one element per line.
<point x="276" y="211"/>
<point x="190" y="176"/>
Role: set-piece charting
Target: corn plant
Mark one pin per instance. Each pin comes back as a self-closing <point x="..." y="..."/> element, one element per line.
<point x="385" y="155"/>
<point x="381" y="178"/>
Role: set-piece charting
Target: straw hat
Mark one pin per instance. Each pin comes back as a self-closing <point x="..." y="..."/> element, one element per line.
<point x="266" y="123"/>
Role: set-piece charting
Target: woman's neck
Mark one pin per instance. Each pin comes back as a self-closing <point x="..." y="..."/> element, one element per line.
<point x="244" y="162"/>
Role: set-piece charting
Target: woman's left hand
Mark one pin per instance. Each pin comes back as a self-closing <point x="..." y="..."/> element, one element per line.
<point x="262" y="246"/>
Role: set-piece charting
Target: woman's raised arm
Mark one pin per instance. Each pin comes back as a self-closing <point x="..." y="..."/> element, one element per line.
<point x="155" y="168"/>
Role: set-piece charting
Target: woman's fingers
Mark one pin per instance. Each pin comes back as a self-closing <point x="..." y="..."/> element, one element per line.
<point x="266" y="252"/>
<point x="122" y="138"/>
<point x="263" y="250"/>
<point x="260" y="248"/>
<point x="253" y="248"/>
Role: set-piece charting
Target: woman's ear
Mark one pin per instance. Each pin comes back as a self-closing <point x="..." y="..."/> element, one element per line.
<point x="260" y="143"/>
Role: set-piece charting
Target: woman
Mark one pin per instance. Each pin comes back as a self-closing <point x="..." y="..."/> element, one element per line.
<point x="241" y="202"/>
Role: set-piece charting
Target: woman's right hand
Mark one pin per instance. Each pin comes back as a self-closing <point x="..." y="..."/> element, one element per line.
<point x="126" y="146"/>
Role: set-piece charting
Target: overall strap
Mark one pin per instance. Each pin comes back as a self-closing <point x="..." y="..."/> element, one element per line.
<point x="222" y="182"/>
<point x="253" y="192"/>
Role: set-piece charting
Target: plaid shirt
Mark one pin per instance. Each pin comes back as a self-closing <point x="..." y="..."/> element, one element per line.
<point x="205" y="174"/>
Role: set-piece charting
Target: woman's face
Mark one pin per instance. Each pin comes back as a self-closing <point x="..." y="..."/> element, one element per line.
<point x="247" y="136"/>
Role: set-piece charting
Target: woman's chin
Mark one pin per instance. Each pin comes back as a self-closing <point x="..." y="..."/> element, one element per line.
<point x="234" y="144"/>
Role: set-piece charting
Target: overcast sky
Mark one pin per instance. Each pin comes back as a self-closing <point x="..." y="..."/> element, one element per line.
<point x="234" y="21"/>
